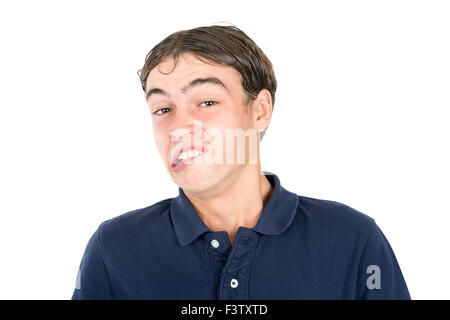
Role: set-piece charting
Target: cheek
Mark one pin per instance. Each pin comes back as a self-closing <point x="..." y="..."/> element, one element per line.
<point x="161" y="137"/>
<point x="229" y="119"/>
<point x="232" y="121"/>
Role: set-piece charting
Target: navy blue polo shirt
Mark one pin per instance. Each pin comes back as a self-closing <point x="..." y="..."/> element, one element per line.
<point x="300" y="248"/>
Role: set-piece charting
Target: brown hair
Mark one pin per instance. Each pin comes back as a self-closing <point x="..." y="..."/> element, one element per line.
<point x="227" y="45"/>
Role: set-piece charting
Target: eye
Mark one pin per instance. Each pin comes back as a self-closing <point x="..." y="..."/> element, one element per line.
<point x="210" y="103"/>
<point x="161" y="111"/>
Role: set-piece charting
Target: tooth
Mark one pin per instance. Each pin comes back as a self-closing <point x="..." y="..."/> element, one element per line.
<point x="189" y="154"/>
<point x="182" y="156"/>
<point x="193" y="153"/>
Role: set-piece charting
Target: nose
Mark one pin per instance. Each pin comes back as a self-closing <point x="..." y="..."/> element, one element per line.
<point x="182" y="125"/>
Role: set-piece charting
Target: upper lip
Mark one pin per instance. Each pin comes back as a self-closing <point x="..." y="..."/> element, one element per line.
<point x="185" y="147"/>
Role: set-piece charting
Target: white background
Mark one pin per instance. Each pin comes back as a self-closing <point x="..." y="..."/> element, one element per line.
<point x="361" y="117"/>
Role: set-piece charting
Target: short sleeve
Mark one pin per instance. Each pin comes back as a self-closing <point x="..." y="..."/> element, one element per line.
<point x="380" y="277"/>
<point x="92" y="281"/>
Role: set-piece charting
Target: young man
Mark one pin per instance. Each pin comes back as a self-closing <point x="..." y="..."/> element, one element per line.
<point x="232" y="232"/>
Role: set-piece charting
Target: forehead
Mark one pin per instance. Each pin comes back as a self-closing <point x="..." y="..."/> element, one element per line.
<point x="189" y="67"/>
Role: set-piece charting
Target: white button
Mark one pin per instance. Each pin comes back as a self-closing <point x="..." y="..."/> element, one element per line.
<point x="234" y="283"/>
<point x="215" y="243"/>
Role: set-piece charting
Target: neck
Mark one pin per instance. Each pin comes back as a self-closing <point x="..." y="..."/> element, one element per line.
<point x="240" y="203"/>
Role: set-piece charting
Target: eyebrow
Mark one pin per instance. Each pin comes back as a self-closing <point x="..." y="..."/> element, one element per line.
<point x="190" y="85"/>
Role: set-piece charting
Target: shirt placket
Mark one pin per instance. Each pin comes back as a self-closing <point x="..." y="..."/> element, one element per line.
<point x="232" y="264"/>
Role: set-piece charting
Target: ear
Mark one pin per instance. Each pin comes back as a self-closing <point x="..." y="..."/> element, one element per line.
<point x="262" y="110"/>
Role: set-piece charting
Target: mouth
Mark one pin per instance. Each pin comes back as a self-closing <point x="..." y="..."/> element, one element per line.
<point x="185" y="153"/>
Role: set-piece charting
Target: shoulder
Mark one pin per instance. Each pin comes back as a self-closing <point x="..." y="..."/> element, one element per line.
<point x="133" y="223"/>
<point x="335" y="217"/>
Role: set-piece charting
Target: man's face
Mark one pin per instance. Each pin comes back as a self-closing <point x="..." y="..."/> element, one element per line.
<point x="198" y="118"/>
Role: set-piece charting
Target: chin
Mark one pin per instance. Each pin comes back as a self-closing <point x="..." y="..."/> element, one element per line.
<point x="195" y="178"/>
<point x="203" y="179"/>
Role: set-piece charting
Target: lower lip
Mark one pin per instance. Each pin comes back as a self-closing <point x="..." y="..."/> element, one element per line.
<point x="181" y="165"/>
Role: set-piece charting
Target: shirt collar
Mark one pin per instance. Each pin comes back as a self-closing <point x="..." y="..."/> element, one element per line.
<point x="277" y="215"/>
